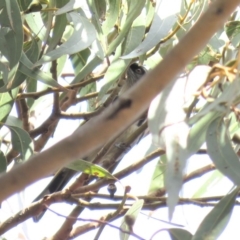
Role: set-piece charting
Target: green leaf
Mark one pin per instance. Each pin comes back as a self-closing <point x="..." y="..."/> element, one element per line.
<point x="21" y="141"/>
<point x="179" y="234"/>
<point x="221" y="152"/>
<point x="98" y="10"/>
<point x="79" y="60"/>
<point x="223" y="99"/>
<point x="163" y="21"/>
<point x="14" y="121"/>
<point x="197" y="134"/>
<point x="135" y="9"/>
<point x="216" y="43"/>
<point x="166" y="121"/>
<point x="135" y="34"/>
<point x="31" y="87"/>
<point x="23" y="4"/>
<point x="3" y="162"/>
<point x="132" y="213"/>
<point x="10" y="17"/>
<point x="157" y="181"/>
<point x="111" y="16"/>
<point x="4" y="71"/>
<point x="215" y="222"/>
<point x="36" y="25"/>
<point x="83" y="36"/>
<point x="34" y="6"/>
<point x="32" y="52"/>
<point x="150" y="13"/>
<point x="114" y="72"/>
<point x="59" y="26"/>
<point x="203" y="187"/>
<point x="69" y="6"/>
<point x="90" y="168"/>
<point x="101" y="7"/>
<point x="88" y="68"/>
<point x="26" y="67"/>
<point x="232" y="28"/>
<point x="6" y="104"/>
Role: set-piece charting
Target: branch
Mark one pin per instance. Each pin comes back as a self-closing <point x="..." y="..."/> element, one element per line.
<point x="99" y="222"/>
<point x="66" y="196"/>
<point x="66" y="228"/>
<point x="122" y="112"/>
<point x="36" y="95"/>
<point x="195" y="174"/>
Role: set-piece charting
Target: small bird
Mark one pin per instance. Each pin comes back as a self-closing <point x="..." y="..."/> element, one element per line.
<point x="62" y="177"/>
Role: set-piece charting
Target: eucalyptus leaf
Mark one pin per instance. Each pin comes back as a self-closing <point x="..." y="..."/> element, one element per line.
<point x="32" y="53"/>
<point x="215" y="222"/>
<point x="157" y="180"/>
<point x="131" y="214"/>
<point x="3" y="162"/>
<point x="90" y="168"/>
<point x="135" y="34"/>
<point x="79" y="60"/>
<point x="60" y="25"/>
<point x="179" y="234"/>
<point x="10" y="17"/>
<point x="135" y="9"/>
<point x="83" y="36"/>
<point x="26" y="67"/>
<point x="69" y="6"/>
<point x="165" y="17"/>
<point x="36" y="24"/>
<point x="167" y="122"/>
<point x="221" y="152"/>
<point x="21" y="141"/>
<point x="111" y="16"/>
<point x="222" y="102"/>
<point x="6" y="104"/>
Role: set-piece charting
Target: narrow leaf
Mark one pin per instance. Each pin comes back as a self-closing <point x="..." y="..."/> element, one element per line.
<point x="221" y="152"/>
<point x="70" y="6"/>
<point x="135" y="34"/>
<point x="83" y="36"/>
<point x="26" y="67"/>
<point x="163" y="21"/>
<point x="111" y="16"/>
<point x="135" y="9"/>
<point x="10" y="17"/>
<point x="36" y="24"/>
<point x="32" y="53"/>
<point x="59" y="26"/>
<point x="21" y="142"/>
<point x="89" y="168"/>
<point x="216" y="221"/>
<point x="179" y="234"/>
<point x="222" y="101"/>
<point x="131" y="214"/>
<point x="6" y="104"/>
<point x="3" y="162"/>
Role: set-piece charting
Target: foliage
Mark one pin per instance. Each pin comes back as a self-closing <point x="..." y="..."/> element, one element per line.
<point x="196" y="114"/>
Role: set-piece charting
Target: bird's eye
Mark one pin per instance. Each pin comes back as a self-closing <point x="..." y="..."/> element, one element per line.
<point x="139" y="70"/>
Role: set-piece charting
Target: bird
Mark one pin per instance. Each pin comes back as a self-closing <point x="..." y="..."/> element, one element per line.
<point x="63" y="176"/>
